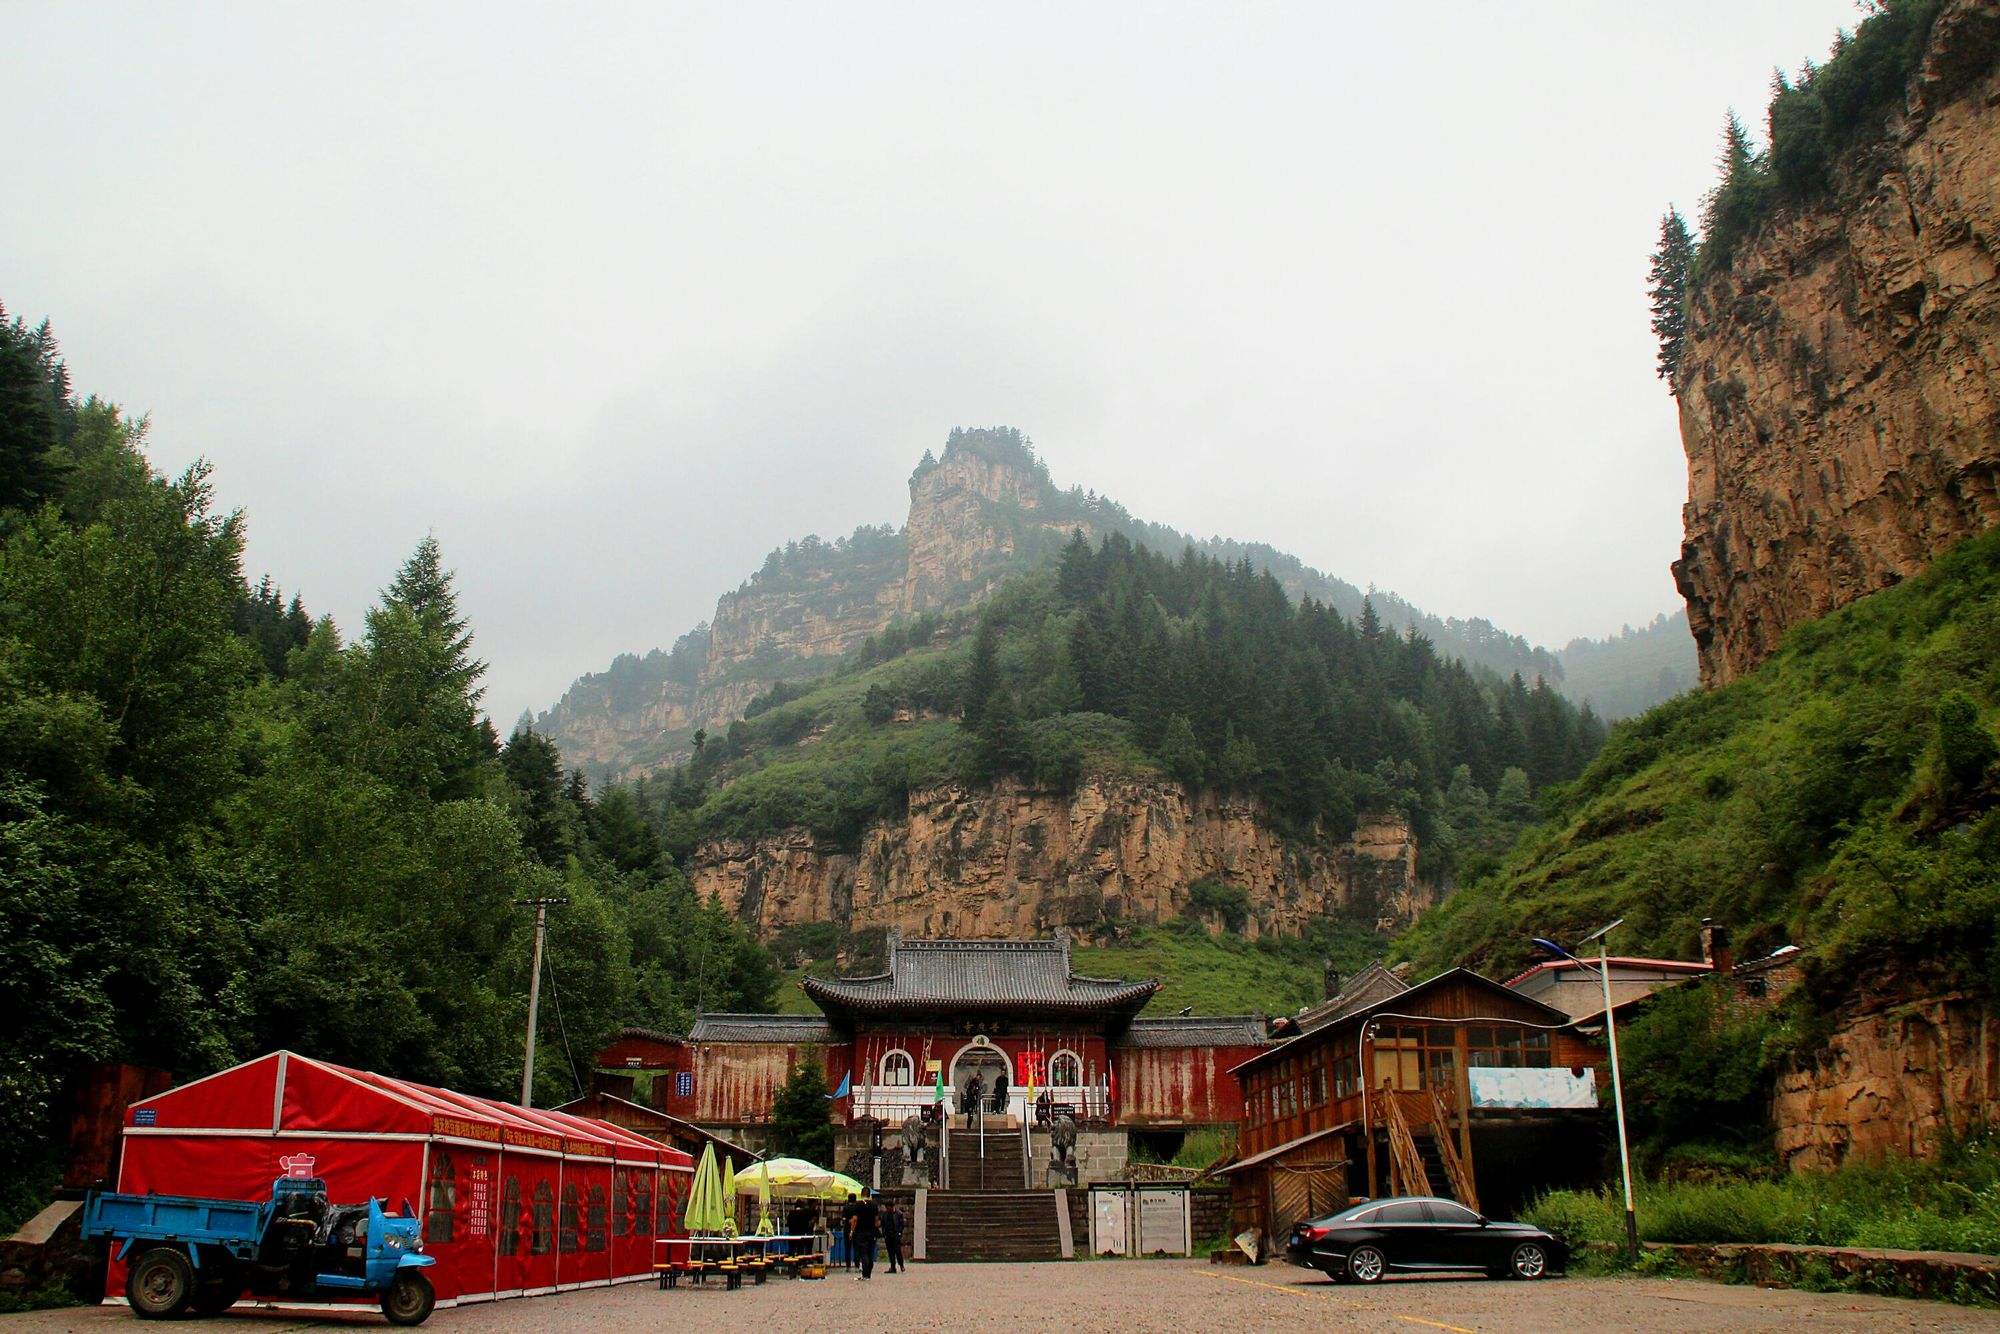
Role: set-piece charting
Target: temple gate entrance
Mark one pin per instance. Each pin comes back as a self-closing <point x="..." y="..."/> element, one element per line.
<point x="983" y="1061"/>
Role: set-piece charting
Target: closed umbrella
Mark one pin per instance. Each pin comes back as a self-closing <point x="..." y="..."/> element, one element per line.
<point x="727" y="1197"/>
<point x="764" y="1227"/>
<point x="705" y="1196"/>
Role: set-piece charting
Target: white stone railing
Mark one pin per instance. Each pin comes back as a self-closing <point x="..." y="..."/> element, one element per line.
<point x="893" y="1103"/>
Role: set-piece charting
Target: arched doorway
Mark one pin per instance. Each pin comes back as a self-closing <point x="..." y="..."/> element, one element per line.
<point x="979" y="1059"/>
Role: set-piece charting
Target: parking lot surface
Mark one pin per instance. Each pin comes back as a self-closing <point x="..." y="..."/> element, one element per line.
<point x="1124" y="1297"/>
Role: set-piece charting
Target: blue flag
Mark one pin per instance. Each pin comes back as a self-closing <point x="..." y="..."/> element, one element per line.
<point x="846" y="1083"/>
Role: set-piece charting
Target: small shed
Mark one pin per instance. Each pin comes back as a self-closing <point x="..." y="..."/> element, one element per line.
<point x="514" y="1200"/>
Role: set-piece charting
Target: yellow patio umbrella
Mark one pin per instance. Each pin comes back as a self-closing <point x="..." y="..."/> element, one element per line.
<point x="728" y="1198"/>
<point x="841" y="1187"/>
<point x="787" y="1178"/>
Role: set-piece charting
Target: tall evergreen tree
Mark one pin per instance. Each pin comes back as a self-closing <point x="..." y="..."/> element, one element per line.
<point x="1669" y="291"/>
<point x="34" y="396"/>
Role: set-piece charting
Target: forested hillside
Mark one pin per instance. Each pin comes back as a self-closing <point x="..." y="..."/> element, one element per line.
<point x="225" y="827"/>
<point x="1119" y="662"/>
<point x="1629" y="672"/>
<point x="1842" y="797"/>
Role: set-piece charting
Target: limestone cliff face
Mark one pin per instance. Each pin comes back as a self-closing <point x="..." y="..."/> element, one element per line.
<point x="1838" y="397"/>
<point x="968" y="516"/>
<point x="1901" y="1067"/>
<point x="974" y="519"/>
<point x="1012" y="863"/>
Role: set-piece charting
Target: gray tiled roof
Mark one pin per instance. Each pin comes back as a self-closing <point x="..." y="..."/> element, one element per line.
<point x="1373" y="983"/>
<point x="1197" y="1030"/>
<point x="1012" y="974"/>
<point x="760" y="1028"/>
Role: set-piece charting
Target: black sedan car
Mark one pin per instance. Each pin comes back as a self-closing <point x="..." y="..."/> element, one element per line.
<point x="1420" y="1234"/>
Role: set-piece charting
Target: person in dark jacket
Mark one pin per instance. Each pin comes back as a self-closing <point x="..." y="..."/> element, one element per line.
<point x="864" y="1219"/>
<point x="892" y="1236"/>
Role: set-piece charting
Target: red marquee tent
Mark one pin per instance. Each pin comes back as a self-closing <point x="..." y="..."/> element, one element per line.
<point x="514" y="1200"/>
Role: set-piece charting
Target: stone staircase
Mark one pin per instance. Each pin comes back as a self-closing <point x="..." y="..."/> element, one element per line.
<point x="1000" y="1169"/>
<point x="1014" y="1225"/>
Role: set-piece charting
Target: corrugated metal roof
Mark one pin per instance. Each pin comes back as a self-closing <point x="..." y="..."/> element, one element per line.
<point x="1198" y="1030"/>
<point x="1022" y="974"/>
<point x="760" y="1028"/>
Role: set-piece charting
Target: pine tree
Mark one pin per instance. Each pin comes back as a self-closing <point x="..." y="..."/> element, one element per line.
<point x="424" y="587"/>
<point x="982" y="677"/>
<point x="28" y="418"/>
<point x="801" y="1126"/>
<point x="1371" y="624"/>
<point x="1670" y="273"/>
<point x="1732" y="208"/>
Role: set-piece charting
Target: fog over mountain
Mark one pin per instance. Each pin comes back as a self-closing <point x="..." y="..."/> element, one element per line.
<point x="612" y="302"/>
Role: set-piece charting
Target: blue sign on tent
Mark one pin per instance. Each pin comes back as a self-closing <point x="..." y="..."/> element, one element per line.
<point x="684" y="1084"/>
<point x="145" y="1116"/>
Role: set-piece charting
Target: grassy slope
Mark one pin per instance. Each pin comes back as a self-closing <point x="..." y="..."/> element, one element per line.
<point x="1798" y="804"/>
<point x="1215" y="974"/>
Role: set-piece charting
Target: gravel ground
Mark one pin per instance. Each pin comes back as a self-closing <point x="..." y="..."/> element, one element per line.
<point x="1126" y="1297"/>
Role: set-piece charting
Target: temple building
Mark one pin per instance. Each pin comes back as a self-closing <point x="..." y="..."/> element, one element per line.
<point x="999" y="1013"/>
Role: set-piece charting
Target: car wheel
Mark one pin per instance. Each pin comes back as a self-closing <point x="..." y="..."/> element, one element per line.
<point x="1366" y="1264"/>
<point x="160" y="1284"/>
<point x="1530" y="1261"/>
<point x="409" y="1299"/>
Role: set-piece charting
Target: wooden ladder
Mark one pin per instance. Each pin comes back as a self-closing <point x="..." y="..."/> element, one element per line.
<point x="1406" y="1165"/>
<point x="1460" y="1171"/>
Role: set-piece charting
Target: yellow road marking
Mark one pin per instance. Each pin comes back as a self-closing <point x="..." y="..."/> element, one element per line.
<point x="1340" y="1301"/>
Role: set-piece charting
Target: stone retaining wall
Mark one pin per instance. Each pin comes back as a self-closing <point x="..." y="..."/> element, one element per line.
<point x="1939" y="1275"/>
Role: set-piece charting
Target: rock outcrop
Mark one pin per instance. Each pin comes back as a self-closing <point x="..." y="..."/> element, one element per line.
<point x="973" y="516"/>
<point x="1009" y="862"/>
<point x="1899" y="1070"/>
<point x="982" y="511"/>
<point x="1840" y="391"/>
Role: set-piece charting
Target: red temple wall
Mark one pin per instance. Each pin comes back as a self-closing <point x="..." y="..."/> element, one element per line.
<point x="1180" y="1085"/>
<point x="869" y="1048"/>
<point x="736" y="1083"/>
<point x="665" y="1062"/>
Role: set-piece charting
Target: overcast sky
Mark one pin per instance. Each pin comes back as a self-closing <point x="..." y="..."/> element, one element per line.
<point x="614" y="299"/>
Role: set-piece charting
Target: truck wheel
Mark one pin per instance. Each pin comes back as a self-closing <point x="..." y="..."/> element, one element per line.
<point x="160" y="1284"/>
<point x="409" y="1299"/>
<point x="214" y="1298"/>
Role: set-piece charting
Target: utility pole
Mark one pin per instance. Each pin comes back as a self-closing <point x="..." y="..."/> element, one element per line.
<point x="541" y="907"/>
<point x="1603" y="971"/>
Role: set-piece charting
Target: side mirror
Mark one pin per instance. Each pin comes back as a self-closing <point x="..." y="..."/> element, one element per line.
<point x="1483" y="1220"/>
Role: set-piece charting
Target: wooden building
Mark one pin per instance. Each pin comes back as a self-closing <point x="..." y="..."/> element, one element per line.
<point x="1456" y="1086"/>
<point x="654" y="1124"/>
<point x="955" y="1010"/>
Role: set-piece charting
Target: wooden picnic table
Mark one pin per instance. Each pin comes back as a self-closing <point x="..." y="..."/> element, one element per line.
<point x="740" y="1254"/>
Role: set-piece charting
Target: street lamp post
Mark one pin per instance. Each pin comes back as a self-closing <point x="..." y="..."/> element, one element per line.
<point x="1617" y="1083"/>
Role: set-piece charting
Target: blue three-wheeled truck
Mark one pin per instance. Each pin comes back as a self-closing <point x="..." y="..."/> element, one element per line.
<point x="188" y="1255"/>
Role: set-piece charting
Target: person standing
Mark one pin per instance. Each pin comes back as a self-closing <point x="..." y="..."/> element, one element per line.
<point x="892" y="1236"/>
<point x="864" y="1222"/>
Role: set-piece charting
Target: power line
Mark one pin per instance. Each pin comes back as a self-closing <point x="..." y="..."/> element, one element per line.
<point x="555" y="994"/>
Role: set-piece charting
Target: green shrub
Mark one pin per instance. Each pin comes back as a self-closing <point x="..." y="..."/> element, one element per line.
<point x="1950" y="1202"/>
<point x="1218" y="901"/>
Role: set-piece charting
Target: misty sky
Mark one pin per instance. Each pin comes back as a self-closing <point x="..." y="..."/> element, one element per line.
<point x="615" y="300"/>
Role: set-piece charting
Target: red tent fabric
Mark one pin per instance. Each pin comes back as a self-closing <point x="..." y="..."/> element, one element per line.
<point x="514" y="1200"/>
